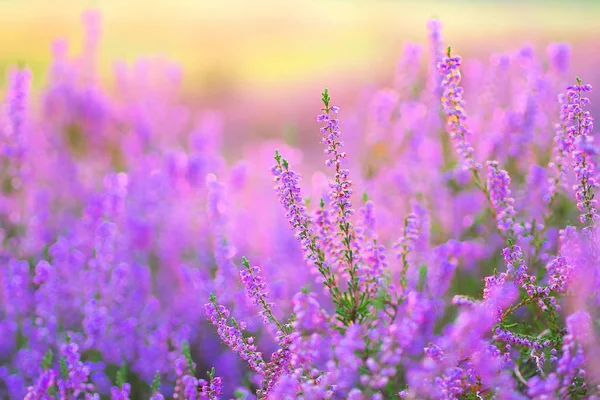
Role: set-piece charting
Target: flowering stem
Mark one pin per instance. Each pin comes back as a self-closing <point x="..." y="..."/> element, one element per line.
<point x="303" y="232"/>
<point x="261" y="298"/>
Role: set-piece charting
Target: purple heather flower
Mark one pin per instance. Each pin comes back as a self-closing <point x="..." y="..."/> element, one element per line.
<point x="498" y="183"/>
<point x="454" y="107"/>
<point x="406" y="245"/>
<point x="78" y="372"/>
<point x="256" y="291"/>
<point x="42" y="386"/>
<point x="233" y="338"/>
<point x="120" y="393"/>
<point x="578" y="125"/>
<point x="340" y="192"/>
<point x="434" y="352"/>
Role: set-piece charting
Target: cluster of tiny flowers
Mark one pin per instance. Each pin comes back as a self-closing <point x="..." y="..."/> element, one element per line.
<point x="579" y="125"/>
<point x="46" y="381"/>
<point x="78" y="373"/>
<point x="232" y="336"/>
<point x="509" y="337"/>
<point x="498" y="186"/>
<point x="559" y="272"/>
<point x="377" y="259"/>
<point x="341" y="187"/>
<point x="288" y="191"/>
<point x="434" y="352"/>
<point x="256" y="289"/>
<point x="561" y="150"/>
<point x="411" y="233"/>
<point x="454" y="107"/>
<point x="121" y="393"/>
<point x="515" y="264"/>
<point x="200" y="389"/>
<point x="406" y="244"/>
<point x="280" y="364"/>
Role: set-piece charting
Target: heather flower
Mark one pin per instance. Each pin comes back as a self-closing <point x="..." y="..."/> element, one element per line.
<point x="256" y="291"/>
<point x="324" y="232"/>
<point x="454" y="108"/>
<point x="434" y="352"/>
<point x="406" y="245"/>
<point x="232" y="335"/>
<point x="340" y="193"/>
<point x="578" y="126"/>
<point x="559" y="273"/>
<point x="74" y="379"/>
<point x="288" y="192"/>
<point x="43" y="385"/>
<point x="120" y="393"/>
<point x="502" y="203"/>
<point x="561" y="150"/>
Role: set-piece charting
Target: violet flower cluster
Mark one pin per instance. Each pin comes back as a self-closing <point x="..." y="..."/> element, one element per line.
<point x="398" y="270"/>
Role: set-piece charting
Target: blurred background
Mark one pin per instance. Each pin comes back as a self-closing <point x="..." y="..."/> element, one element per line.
<point x="264" y="62"/>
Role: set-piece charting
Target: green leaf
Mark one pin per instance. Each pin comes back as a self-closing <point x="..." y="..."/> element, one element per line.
<point x="185" y="349"/>
<point x="156" y="382"/>
<point x="47" y="360"/>
<point x="245" y="262"/>
<point x="365" y="197"/>
<point x="121" y="375"/>
<point x="325" y="98"/>
<point x="422" y="277"/>
<point x="64" y="370"/>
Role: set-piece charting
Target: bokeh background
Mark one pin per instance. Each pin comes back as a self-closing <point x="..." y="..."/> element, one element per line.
<point x="263" y="63"/>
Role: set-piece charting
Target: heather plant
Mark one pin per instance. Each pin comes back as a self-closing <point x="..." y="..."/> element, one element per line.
<point x="448" y="250"/>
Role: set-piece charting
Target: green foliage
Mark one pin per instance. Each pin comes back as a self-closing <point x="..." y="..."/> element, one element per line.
<point x="47" y="360"/>
<point x="156" y="382"/>
<point x="185" y="350"/>
<point x="211" y="374"/>
<point x="121" y="375"/>
<point x="325" y="98"/>
<point x="422" y="277"/>
<point x="64" y="370"/>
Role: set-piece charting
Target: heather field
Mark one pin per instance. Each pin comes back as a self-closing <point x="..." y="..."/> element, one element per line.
<point x="335" y="200"/>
